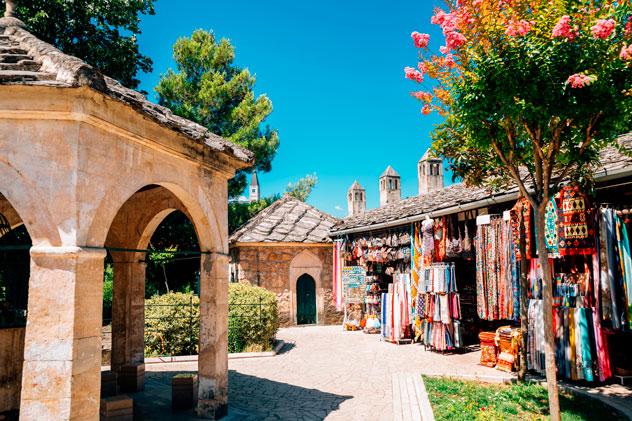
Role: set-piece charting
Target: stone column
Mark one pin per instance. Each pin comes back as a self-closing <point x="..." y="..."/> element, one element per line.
<point x="62" y="349"/>
<point x="213" y="355"/>
<point x="128" y="320"/>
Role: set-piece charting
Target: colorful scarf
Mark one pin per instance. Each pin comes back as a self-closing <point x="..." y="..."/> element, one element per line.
<point x="575" y="231"/>
<point x="522" y="215"/>
<point x="550" y="228"/>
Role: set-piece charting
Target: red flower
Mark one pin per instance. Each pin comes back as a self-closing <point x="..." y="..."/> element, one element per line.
<point x="413" y="74"/>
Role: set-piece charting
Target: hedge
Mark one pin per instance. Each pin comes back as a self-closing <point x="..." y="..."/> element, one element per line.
<point x="172" y="321"/>
<point x="252" y="318"/>
<point x="172" y="325"/>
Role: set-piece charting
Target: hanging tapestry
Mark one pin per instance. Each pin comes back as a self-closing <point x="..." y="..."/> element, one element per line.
<point x="522" y="215"/>
<point x="575" y="230"/>
<point x="550" y="228"/>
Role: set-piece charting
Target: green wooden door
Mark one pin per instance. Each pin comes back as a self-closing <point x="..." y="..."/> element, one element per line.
<point x="305" y="300"/>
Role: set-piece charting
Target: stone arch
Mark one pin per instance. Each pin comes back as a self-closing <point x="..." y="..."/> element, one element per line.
<point x="196" y="205"/>
<point x="25" y="199"/>
<point x="306" y="263"/>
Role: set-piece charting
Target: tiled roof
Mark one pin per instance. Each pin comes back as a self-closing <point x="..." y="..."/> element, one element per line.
<point x="459" y="194"/>
<point x="288" y="220"/>
<point x="26" y="60"/>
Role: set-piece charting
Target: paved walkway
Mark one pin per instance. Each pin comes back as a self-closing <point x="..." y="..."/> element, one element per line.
<point x="323" y="373"/>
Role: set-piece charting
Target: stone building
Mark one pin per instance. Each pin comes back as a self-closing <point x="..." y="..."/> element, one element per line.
<point x="390" y="187"/>
<point x="88" y="166"/>
<point x="356" y="199"/>
<point x="286" y="249"/>
<point x="429" y="173"/>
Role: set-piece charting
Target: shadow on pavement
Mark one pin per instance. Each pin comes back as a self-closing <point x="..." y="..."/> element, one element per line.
<point x="250" y="398"/>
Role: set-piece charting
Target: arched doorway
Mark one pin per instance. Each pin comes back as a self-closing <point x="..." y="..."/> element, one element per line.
<point x="15" y="243"/>
<point x="305" y="300"/>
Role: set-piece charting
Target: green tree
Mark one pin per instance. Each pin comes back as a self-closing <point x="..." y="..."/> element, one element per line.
<point x="208" y="88"/>
<point x="103" y="33"/>
<point x="303" y="187"/>
<point x="531" y="92"/>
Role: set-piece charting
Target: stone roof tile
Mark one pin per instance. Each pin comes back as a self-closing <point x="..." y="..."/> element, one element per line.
<point x="27" y="60"/>
<point x="286" y="220"/>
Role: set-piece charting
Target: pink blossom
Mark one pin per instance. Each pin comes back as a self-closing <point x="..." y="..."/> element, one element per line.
<point x="603" y="28"/>
<point x="578" y="80"/>
<point x="477" y="3"/>
<point x="423" y="96"/>
<point x="449" y="61"/>
<point x="447" y="21"/>
<point x="628" y="27"/>
<point x="626" y="53"/>
<point x="413" y="74"/>
<point x="423" y="68"/>
<point x="444" y="49"/>
<point x="563" y="29"/>
<point x="420" y="40"/>
<point x="454" y="40"/>
<point x="426" y="109"/>
<point x="519" y="28"/>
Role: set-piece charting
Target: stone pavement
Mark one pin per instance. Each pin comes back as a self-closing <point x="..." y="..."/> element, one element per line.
<point x="322" y="373"/>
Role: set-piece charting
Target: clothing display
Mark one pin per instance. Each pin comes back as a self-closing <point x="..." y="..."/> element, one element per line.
<point x="522" y="220"/>
<point x="497" y="283"/>
<point x="337" y="275"/>
<point x="395" y="320"/>
<point x="438" y="307"/>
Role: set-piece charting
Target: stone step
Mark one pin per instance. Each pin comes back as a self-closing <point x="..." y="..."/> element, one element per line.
<point x="23" y="76"/>
<point x="12" y="50"/>
<point x="28" y="65"/>
<point x="13" y="58"/>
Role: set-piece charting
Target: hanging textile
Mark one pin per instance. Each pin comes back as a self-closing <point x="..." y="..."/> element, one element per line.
<point x="625" y="260"/>
<point x="395" y="322"/>
<point x="522" y="215"/>
<point x="550" y="228"/>
<point x="575" y="228"/>
<point x="416" y="260"/>
<point x="612" y="274"/>
<point x="497" y="281"/>
<point x="428" y="242"/>
<point x="440" y="235"/>
<point x="439" y="307"/>
<point x="337" y="275"/>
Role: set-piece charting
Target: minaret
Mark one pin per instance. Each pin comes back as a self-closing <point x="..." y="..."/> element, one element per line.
<point x="254" y="187"/>
<point x="429" y="173"/>
<point x="356" y="199"/>
<point x="390" y="187"/>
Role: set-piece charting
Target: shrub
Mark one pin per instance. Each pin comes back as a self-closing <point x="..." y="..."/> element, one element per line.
<point x="172" y="321"/>
<point x="172" y="324"/>
<point x="252" y="318"/>
<point x="108" y="282"/>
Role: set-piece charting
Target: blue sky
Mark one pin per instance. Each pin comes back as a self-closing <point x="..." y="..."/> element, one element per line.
<point x="334" y="73"/>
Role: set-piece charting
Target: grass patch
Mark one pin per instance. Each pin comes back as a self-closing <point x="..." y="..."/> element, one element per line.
<point x="465" y="400"/>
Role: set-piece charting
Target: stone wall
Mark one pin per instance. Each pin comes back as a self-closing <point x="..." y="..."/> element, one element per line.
<point x="269" y="266"/>
<point x="11" y="359"/>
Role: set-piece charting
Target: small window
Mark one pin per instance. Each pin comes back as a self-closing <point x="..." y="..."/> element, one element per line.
<point x="390" y="184"/>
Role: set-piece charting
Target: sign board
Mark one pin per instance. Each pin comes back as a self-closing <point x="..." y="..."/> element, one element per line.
<point x="354" y="284"/>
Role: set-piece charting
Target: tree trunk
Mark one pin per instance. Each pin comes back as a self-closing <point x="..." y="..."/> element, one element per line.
<point x="524" y="305"/>
<point x="164" y="272"/>
<point x="547" y="308"/>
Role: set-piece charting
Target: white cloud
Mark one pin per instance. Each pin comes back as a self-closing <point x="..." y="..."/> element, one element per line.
<point x="338" y="207"/>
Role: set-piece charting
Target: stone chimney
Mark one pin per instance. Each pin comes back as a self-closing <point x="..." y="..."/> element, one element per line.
<point x="356" y="199"/>
<point x="390" y="187"/>
<point x="429" y="173"/>
<point x="254" y="187"/>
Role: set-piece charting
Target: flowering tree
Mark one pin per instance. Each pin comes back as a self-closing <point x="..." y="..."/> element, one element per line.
<point x="530" y="92"/>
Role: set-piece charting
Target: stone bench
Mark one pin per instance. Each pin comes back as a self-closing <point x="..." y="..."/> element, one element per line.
<point x="184" y="391"/>
<point x="117" y="408"/>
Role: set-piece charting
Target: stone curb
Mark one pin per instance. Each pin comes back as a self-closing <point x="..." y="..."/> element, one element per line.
<point x="410" y="399"/>
<point x="232" y="356"/>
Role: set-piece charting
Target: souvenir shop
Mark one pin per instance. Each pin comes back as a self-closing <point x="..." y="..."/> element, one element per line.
<point x="452" y="281"/>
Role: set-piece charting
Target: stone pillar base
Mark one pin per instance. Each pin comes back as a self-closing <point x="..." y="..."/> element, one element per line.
<point x="119" y="408"/>
<point x="131" y="378"/>
<point x="184" y="388"/>
<point x="210" y="410"/>
<point x="109" y="386"/>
